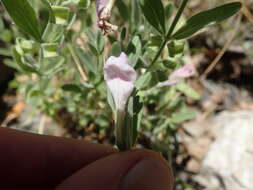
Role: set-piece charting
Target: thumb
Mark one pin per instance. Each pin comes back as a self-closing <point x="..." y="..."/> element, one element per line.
<point x="131" y="170"/>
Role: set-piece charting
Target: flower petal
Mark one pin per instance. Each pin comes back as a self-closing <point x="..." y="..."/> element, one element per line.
<point x="121" y="90"/>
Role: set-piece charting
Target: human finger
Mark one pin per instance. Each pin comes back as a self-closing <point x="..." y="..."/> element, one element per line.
<point x="29" y="160"/>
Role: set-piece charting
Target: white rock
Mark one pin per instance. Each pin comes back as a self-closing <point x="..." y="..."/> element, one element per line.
<point x="228" y="164"/>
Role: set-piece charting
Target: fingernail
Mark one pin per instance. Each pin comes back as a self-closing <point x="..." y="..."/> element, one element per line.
<point x="148" y="174"/>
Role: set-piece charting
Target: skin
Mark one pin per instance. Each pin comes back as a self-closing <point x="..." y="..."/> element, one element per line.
<point x="30" y="161"/>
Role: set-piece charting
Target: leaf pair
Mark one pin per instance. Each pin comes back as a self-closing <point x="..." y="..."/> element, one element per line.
<point x="154" y="13"/>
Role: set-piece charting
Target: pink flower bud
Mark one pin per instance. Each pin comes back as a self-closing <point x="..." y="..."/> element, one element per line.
<point x="177" y="76"/>
<point x="120" y="77"/>
<point x="183" y="72"/>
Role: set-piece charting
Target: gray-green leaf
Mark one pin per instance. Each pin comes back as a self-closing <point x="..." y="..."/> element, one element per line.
<point x="154" y="13"/>
<point x="24" y="17"/>
<point x="205" y="18"/>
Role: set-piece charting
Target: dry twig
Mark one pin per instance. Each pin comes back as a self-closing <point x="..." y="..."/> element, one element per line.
<point x="224" y="49"/>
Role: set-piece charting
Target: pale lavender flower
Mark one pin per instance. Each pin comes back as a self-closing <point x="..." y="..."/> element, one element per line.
<point x="120" y="77"/>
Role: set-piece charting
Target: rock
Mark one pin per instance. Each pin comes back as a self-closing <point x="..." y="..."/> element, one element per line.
<point x="228" y="164"/>
<point x="197" y="137"/>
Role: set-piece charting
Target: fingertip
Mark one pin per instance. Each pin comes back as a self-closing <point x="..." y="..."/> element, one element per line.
<point x="151" y="172"/>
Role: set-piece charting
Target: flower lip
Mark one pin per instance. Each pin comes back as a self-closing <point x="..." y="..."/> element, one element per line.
<point x="119" y="67"/>
<point x="116" y="73"/>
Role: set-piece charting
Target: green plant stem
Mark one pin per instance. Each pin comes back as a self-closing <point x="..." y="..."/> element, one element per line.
<point x="40" y="59"/>
<point x="77" y="62"/>
<point x="120" y="131"/>
<point x="171" y="29"/>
